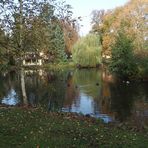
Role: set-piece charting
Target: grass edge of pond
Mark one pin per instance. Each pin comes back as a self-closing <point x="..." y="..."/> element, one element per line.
<point x="27" y="127"/>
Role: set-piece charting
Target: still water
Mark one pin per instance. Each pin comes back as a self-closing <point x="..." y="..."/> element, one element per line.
<point x="92" y="92"/>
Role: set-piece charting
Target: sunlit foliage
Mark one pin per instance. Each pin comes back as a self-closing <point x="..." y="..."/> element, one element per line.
<point x="35" y="26"/>
<point x="109" y="22"/>
<point x="87" y="51"/>
<point x="123" y="62"/>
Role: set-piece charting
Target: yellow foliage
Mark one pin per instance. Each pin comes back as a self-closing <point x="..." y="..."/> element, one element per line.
<point x="133" y="15"/>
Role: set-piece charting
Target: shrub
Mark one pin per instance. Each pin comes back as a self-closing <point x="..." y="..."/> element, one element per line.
<point x="87" y="51"/>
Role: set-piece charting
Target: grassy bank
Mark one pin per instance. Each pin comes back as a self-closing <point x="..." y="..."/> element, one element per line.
<point x="60" y="65"/>
<point x="37" y="128"/>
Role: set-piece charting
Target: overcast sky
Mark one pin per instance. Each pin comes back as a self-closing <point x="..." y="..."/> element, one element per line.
<point x="84" y="8"/>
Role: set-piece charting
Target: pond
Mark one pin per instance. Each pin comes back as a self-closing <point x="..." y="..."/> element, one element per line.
<point x="89" y="92"/>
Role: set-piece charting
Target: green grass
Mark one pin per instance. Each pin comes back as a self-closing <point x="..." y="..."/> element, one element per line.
<point x="31" y="128"/>
<point x="60" y="65"/>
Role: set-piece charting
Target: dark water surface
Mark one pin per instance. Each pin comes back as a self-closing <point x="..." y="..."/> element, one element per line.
<point x="92" y="92"/>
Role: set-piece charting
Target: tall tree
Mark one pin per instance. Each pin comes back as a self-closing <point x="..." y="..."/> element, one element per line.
<point x="57" y="48"/>
<point x="20" y="44"/>
<point x="123" y="63"/>
<point x="70" y="35"/>
<point x="34" y="25"/>
<point x="87" y="51"/>
<point x="97" y="21"/>
<point x="14" y="16"/>
<point x="134" y="13"/>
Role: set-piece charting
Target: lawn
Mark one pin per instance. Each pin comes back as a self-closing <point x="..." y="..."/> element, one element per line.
<point x="36" y="128"/>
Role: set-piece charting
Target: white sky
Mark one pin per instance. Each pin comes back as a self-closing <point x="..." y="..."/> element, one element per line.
<point x="85" y="7"/>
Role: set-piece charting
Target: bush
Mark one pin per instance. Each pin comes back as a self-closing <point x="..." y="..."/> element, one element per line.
<point x="87" y="51"/>
<point x="123" y="62"/>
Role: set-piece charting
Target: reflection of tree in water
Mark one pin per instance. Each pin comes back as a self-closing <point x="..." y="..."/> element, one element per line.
<point x="71" y="92"/>
<point x="34" y="86"/>
<point x="105" y="95"/>
<point x="9" y="81"/>
<point x="4" y="85"/>
<point x="23" y="87"/>
<point x="57" y="93"/>
<point x="140" y="111"/>
<point x="88" y="81"/>
<point x="122" y="99"/>
<point x="57" y="89"/>
<point x="95" y="83"/>
<point x="47" y="90"/>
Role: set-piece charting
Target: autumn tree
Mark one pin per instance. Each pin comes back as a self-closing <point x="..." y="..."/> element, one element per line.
<point x="32" y="29"/>
<point x="135" y="14"/>
<point x="12" y="17"/>
<point x="70" y="36"/>
<point x="97" y="21"/>
<point x="31" y="26"/>
<point x="69" y="25"/>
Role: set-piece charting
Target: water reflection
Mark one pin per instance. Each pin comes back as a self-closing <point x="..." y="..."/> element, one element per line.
<point x="83" y="104"/>
<point x="11" y="98"/>
<point x="92" y="92"/>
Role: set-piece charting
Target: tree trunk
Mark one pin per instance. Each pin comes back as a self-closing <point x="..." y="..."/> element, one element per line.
<point x="25" y="101"/>
<point x="20" y="24"/>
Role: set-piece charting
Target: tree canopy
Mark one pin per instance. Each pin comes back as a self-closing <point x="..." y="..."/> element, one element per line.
<point x="134" y="14"/>
<point x="123" y="61"/>
<point x="38" y="26"/>
<point x="87" y="51"/>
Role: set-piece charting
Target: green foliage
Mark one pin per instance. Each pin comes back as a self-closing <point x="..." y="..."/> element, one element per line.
<point x="43" y="33"/>
<point x="57" y="44"/>
<point x="123" y="62"/>
<point x="87" y="51"/>
<point x="36" y="26"/>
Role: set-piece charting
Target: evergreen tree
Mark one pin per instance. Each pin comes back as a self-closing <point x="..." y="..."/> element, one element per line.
<point x="122" y="62"/>
<point x="57" y="44"/>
